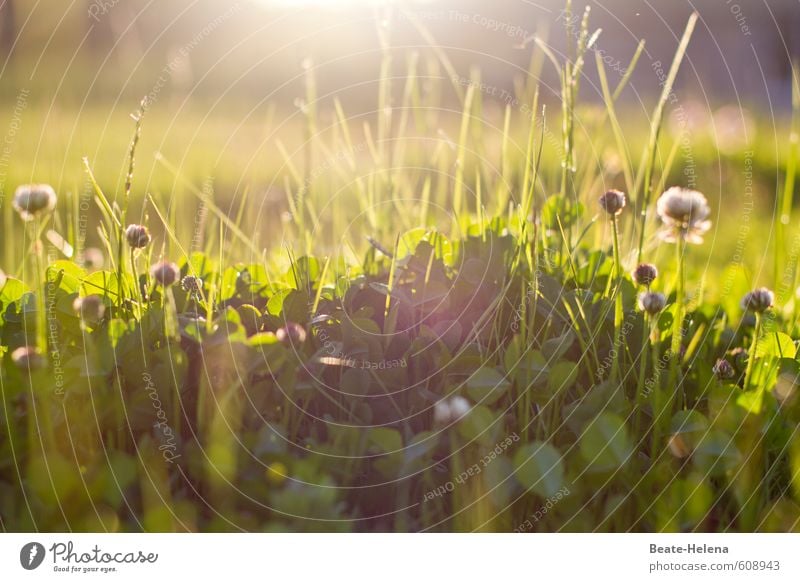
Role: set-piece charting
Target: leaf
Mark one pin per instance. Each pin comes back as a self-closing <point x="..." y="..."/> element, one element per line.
<point x="104" y="283"/>
<point x="477" y="425"/>
<point x="716" y="453"/>
<point x="421" y="444"/>
<point x="540" y="468"/>
<point x="556" y="347"/>
<point x="562" y="376"/>
<point x="409" y="241"/>
<point x="666" y="318"/>
<point x="560" y="208"/>
<point x="776" y="345"/>
<point x="265" y="338"/>
<point x="275" y="303"/>
<point x="486" y="386"/>
<point x="690" y="424"/>
<point x="604" y="397"/>
<point x="499" y="479"/>
<point x="752" y="401"/>
<point x="388" y="440"/>
<point x="198" y="264"/>
<point x="605" y="444"/>
<point x="687" y="422"/>
<point x="71" y="275"/>
<point x="12" y="291"/>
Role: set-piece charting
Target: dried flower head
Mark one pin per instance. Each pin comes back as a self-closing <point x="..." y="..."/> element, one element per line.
<point x="137" y="235"/>
<point x="652" y="302"/>
<point x="192" y="285"/>
<point x="678" y="446"/>
<point x="684" y="214"/>
<point x="613" y="202"/>
<point x="291" y="334"/>
<point x="723" y="369"/>
<point x="450" y="410"/>
<point x="32" y="200"/>
<point x="645" y="274"/>
<point x="27" y="358"/>
<point x="758" y="301"/>
<point x="165" y="273"/>
<point x="90" y="309"/>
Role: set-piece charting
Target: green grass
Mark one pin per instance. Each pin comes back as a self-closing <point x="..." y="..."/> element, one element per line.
<point x="470" y="357"/>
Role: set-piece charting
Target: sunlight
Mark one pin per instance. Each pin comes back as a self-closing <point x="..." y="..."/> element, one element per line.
<point x="334" y="4"/>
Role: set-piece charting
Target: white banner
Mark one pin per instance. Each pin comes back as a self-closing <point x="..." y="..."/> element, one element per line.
<point x="378" y="557"/>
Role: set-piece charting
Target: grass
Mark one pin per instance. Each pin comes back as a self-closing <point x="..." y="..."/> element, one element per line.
<point x="432" y="326"/>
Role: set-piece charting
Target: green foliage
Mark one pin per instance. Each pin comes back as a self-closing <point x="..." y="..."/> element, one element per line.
<point x="444" y="374"/>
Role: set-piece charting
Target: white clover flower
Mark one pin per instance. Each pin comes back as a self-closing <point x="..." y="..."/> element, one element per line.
<point x="30" y="200"/>
<point x="758" y="301"/>
<point x="652" y="302"/>
<point x="137" y="235"/>
<point x="447" y="411"/>
<point x="684" y="214"/>
<point x="165" y="273"/>
<point x="90" y="308"/>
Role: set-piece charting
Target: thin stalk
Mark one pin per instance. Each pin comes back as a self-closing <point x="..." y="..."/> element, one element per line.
<point x="677" y="324"/>
<point x="751" y="356"/>
<point x="655" y="130"/>
<point x="618" y="312"/>
<point x="647" y="326"/>
<point x="786" y="195"/>
<point x="40" y="278"/>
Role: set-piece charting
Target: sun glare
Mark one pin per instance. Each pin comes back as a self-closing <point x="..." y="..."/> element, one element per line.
<point x="335" y="4"/>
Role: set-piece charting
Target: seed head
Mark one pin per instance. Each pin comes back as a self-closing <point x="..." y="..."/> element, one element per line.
<point x="165" y="273"/>
<point x="684" y="214"/>
<point x="27" y="358"/>
<point x="758" y="301"/>
<point x="137" y="235"/>
<point x="652" y="302"/>
<point x="90" y="309"/>
<point x="192" y="285"/>
<point x="291" y="334"/>
<point x="613" y="202"/>
<point x="645" y="274"/>
<point x="32" y="200"/>
<point x="723" y="369"/>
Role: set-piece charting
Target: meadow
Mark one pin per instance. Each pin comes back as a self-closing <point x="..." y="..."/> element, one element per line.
<point x="524" y="314"/>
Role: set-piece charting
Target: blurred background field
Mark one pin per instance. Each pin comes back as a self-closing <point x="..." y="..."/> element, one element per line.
<point x="341" y="166"/>
<point x="229" y="86"/>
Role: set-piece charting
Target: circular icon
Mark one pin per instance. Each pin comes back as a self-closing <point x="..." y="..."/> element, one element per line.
<point x="31" y="555"/>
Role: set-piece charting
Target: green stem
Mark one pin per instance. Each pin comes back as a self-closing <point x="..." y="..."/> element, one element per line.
<point x="751" y="356"/>
<point x="618" y="312"/>
<point x="677" y="324"/>
<point x="646" y="333"/>
<point x="40" y="275"/>
<point x="137" y="290"/>
<point x="656" y="399"/>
